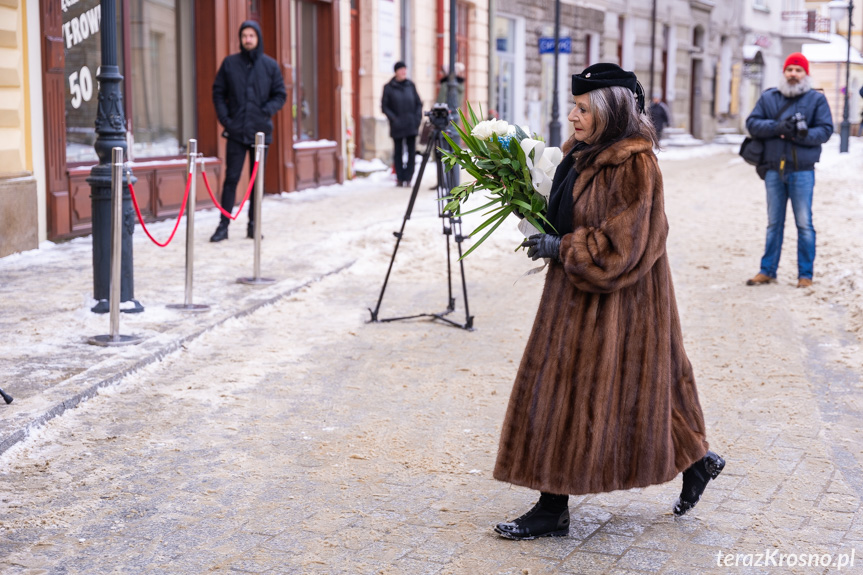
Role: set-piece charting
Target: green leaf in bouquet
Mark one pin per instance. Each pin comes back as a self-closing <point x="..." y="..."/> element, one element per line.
<point x="498" y="218"/>
<point x="537" y="202"/>
<point x="472" y="115"/>
<point x="470" y="142"/>
<point x="521" y="204"/>
<point x="535" y="223"/>
<point x="479" y="209"/>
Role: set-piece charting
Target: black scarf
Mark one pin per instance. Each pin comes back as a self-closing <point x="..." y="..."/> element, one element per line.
<point x="560" y="199"/>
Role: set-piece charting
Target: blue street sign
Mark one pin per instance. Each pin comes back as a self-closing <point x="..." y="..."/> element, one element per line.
<point x="546" y="46"/>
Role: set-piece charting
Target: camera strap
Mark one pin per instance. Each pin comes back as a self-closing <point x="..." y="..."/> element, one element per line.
<point x="793" y="149"/>
<point x="785" y="107"/>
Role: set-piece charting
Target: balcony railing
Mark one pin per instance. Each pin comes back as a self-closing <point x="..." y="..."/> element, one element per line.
<point x="799" y="24"/>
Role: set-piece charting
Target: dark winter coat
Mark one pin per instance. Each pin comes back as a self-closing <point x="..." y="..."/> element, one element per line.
<point x="800" y="154"/>
<point x="443" y="90"/>
<point x="605" y="397"/>
<point x="659" y="116"/>
<point x="403" y="108"/>
<point x="248" y="91"/>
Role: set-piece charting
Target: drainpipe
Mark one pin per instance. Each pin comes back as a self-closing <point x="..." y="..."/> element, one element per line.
<point x="439" y="47"/>
<point x="492" y="56"/>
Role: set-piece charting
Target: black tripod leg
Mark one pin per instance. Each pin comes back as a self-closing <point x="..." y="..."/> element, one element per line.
<point x="6" y="397"/>
<point x="468" y="319"/>
<point x="401" y="231"/>
<point x="443" y="190"/>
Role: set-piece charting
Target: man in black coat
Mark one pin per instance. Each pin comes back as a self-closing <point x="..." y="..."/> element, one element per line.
<point x="247" y="92"/>
<point x="404" y="110"/>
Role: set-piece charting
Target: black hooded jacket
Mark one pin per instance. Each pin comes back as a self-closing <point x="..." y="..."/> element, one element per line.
<point x="248" y="91"/>
<point x="402" y="106"/>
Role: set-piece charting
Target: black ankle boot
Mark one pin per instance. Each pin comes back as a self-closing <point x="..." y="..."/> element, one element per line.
<point x="540" y="521"/>
<point x="695" y="481"/>
<point x="221" y="233"/>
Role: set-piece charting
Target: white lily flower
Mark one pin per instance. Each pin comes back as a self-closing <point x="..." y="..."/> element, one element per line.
<point x="543" y="166"/>
<point x="483" y="130"/>
<point x="500" y="127"/>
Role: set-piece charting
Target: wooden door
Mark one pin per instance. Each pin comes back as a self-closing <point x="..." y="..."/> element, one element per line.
<point x="54" y="90"/>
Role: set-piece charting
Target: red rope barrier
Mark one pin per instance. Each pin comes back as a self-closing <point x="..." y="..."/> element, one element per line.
<point x="179" y="216"/>
<point x="226" y="213"/>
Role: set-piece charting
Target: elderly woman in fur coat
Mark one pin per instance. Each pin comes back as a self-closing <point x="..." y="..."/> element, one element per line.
<point x="605" y="397"/>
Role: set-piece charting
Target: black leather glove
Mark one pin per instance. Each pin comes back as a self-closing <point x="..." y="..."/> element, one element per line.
<point x="542" y="246"/>
<point x="786" y="128"/>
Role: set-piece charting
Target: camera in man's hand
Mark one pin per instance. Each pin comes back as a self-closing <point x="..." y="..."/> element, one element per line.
<point x="439" y="116"/>
<point x="801" y="128"/>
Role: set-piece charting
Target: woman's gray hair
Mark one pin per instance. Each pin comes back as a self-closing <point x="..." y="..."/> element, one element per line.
<point x="616" y="117"/>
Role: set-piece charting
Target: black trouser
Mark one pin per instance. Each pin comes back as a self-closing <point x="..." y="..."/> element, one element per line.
<point x="404" y="173"/>
<point x="235" y="154"/>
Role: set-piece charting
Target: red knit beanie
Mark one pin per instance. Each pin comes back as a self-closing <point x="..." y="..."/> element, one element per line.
<point x="797" y="59"/>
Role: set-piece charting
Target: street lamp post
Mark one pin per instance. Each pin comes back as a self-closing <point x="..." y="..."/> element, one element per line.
<point x="554" y="125"/>
<point x="837" y="13"/>
<point x="452" y="99"/>
<point x="111" y="133"/>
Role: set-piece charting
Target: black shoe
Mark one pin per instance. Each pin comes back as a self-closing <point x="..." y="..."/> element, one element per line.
<point x="220" y="234"/>
<point x="538" y="522"/>
<point x="695" y="480"/>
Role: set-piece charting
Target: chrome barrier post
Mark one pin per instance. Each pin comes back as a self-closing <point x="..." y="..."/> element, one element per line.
<point x="114" y="338"/>
<point x="259" y="198"/>
<point x="192" y="155"/>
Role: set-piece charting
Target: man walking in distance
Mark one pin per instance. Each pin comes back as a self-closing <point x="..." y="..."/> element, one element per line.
<point x="403" y="108"/>
<point x="793" y="120"/>
<point x="247" y="92"/>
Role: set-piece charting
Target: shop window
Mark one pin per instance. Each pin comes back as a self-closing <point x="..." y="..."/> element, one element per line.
<point x="83" y="48"/>
<point x="504" y="30"/>
<point x="304" y="59"/>
<point x="149" y="55"/>
<point x="155" y="99"/>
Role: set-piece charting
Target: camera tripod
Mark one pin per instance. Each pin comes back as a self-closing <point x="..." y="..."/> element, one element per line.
<point x="451" y="227"/>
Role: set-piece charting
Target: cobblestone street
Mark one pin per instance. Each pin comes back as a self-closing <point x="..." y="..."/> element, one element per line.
<point x="296" y="438"/>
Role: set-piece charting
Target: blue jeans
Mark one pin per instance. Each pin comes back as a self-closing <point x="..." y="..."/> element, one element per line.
<point x="797" y="186"/>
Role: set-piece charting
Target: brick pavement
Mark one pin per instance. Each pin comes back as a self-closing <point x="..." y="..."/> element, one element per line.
<point x="282" y="442"/>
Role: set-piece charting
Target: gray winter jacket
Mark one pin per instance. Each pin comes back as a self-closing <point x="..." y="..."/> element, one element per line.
<point x="800" y="153"/>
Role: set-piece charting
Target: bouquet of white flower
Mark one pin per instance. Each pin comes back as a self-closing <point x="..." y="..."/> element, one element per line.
<point x="515" y="169"/>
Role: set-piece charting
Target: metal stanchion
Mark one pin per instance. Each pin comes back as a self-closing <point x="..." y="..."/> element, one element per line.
<point x="259" y="198"/>
<point x="190" y="233"/>
<point x="114" y="338"/>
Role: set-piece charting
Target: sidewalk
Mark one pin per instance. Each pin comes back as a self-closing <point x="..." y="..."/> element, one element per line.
<point x="47" y="364"/>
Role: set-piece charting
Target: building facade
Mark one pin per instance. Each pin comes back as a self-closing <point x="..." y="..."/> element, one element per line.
<point x="708" y="60"/>
<point x="828" y="63"/>
<point x="19" y="184"/>
<point x="169" y="52"/>
<point x="522" y="60"/>
<point x="686" y="52"/>
<point x="383" y="32"/>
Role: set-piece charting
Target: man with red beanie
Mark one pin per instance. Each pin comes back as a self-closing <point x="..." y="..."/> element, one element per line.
<point x="793" y="121"/>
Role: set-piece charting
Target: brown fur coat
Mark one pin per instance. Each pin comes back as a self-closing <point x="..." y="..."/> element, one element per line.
<point x="605" y="397"/>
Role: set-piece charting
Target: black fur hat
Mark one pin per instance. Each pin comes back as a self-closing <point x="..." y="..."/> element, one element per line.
<point x="605" y="75"/>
